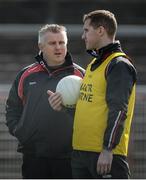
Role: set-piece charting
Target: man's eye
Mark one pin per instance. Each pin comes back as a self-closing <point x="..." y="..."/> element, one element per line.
<point x="51" y="43"/>
<point x="62" y="43"/>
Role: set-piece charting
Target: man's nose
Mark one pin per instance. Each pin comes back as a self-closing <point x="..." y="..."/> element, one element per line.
<point x="58" y="46"/>
<point x="83" y="36"/>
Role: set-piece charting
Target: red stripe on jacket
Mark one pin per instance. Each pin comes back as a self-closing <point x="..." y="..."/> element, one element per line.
<point x="30" y="70"/>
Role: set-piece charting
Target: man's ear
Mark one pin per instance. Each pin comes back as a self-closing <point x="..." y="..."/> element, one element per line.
<point x="101" y="30"/>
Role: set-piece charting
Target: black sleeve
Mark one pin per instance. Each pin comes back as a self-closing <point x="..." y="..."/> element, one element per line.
<point x="71" y="111"/>
<point x="121" y="77"/>
<point x="14" y="107"/>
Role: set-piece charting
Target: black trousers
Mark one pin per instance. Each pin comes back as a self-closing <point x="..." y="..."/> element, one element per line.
<point x="46" y="168"/>
<point x="84" y="166"/>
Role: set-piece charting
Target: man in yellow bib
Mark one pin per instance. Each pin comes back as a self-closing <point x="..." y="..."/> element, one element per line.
<point x="105" y="107"/>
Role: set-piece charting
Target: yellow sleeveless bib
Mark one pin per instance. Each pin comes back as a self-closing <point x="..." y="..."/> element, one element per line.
<point x="92" y="111"/>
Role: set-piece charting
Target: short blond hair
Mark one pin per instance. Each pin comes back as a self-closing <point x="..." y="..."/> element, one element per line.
<point x="103" y="18"/>
<point x="54" y="28"/>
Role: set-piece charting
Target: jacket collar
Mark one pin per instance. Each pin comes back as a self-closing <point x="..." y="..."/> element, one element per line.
<point x="104" y="51"/>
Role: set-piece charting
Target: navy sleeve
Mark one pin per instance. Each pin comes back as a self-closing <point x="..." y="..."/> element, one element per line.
<point x="14" y="107"/>
<point x="121" y="77"/>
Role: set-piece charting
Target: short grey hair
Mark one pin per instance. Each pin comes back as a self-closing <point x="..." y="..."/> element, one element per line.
<point x="54" y="28"/>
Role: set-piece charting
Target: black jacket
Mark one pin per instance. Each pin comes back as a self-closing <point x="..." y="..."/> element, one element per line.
<point x="41" y="131"/>
<point x="121" y="76"/>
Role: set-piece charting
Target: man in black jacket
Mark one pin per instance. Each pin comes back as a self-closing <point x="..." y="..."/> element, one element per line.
<point x="44" y="135"/>
<point x="105" y="108"/>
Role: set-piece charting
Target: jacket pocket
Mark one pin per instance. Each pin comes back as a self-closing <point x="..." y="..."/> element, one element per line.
<point x="25" y="131"/>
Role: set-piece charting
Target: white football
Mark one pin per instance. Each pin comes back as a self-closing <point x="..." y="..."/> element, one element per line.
<point x="69" y="88"/>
